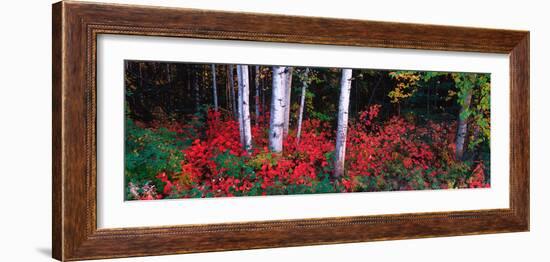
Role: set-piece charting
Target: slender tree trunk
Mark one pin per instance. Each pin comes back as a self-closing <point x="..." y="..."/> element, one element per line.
<point x="288" y="92"/>
<point x="141" y="75"/>
<point x="239" y="107"/>
<point x="257" y="96"/>
<point x="263" y="98"/>
<point x="203" y="92"/>
<point x="428" y="100"/>
<point x="462" y="126"/>
<point x="227" y="103"/>
<point x="168" y="74"/>
<point x="475" y="151"/>
<point x="305" y="82"/>
<point x="195" y="81"/>
<point x="170" y="102"/>
<point x="343" y="107"/>
<point x="244" y="108"/>
<point x="232" y="86"/>
<point x="398" y="109"/>
<point x="356" y="97"/>
<point x="228" y="82"/>
<point x="374" y="91"/>
<point x="214" y="88"/>
<point x="436" y="92"/>
<point x="188" y="81"/>
<point x="278" y="105"/>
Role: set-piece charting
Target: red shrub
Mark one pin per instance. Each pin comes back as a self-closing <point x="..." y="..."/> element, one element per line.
<point x="397" y="151"/>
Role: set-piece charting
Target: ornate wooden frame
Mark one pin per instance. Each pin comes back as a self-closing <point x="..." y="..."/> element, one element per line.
<point x="76" y="26"/>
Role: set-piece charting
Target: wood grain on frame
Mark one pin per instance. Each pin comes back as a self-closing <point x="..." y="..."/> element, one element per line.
<point x="75" y="29"/>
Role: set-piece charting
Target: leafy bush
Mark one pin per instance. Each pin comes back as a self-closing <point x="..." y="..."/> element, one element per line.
<point x="149" y="152"/>
<point x="394" y="155"/>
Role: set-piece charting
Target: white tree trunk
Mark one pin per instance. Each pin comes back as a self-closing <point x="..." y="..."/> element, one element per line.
<point x="462" y="127"/>
<point x="257" y="96"/>
<point x="214" y="88"/>
<point x="239" y="108"/>
<point x="343" y="107"/>
<point x="278" y="105"/>
<point x="263" y="105"/>
<point x="244" y="108"/>
<point x="288" y="89"/>
<point x="302" y="102"/>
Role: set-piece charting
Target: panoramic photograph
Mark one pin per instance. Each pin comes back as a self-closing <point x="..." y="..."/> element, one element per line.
<point x="197" y="130"/>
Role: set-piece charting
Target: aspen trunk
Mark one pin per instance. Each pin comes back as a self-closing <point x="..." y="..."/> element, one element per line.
<point x="214" y="88"/>
<point x="239" y="108"/>
<point x="462" y="126"/>
<point x="244" y="108"/>
<point x="302" y="102"/>
<point x="343" y="107"/>
<point x="278" y="105"/>
<point x="264" y="85"/>
<point x="288" y="89"/>
<point x="257" y="96"/>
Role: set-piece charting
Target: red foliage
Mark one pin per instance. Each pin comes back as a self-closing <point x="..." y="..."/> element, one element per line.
<point x="396" y="148"/>
<point x="477" y="180"/>
<point x="168" y="187"/>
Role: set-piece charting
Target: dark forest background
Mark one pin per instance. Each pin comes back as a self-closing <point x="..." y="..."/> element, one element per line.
<point x="173" y="91"/>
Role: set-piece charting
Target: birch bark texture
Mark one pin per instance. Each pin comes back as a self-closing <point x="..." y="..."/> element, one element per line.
<point x="214" y="88"/>
<point x="288" y="92"/>
<point x="462" y="131"/>
<point x="239" y="109"/>
<point x="262" y="104"/>
<point x="244" y="108"/>
<point x="305" y="82"/>
<point x="342" y="129"/>
<point x="278" y="105"/>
